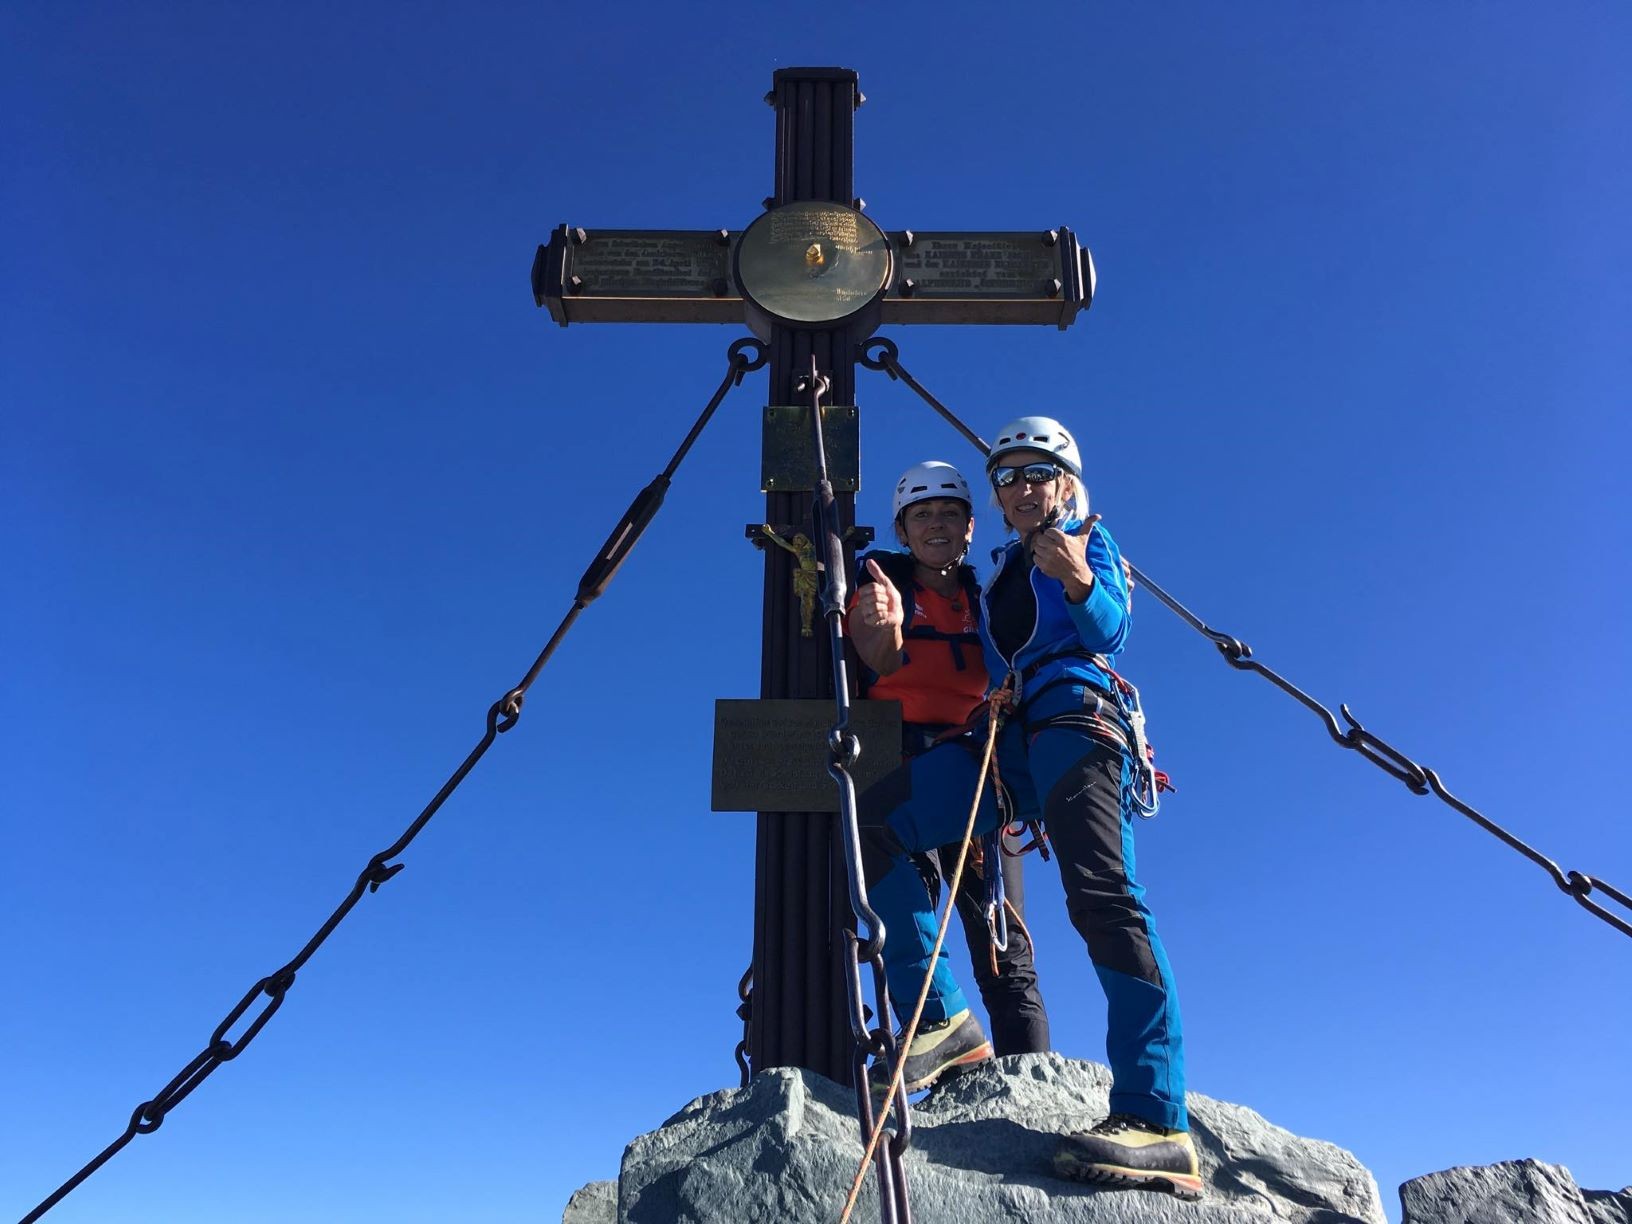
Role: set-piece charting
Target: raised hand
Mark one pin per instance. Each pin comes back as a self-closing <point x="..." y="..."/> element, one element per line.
<point x="878" y="603"/>
<point x="1065" y="557"/>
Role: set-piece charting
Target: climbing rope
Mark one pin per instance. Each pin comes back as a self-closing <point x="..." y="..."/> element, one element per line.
<point x="1419" y="779"/>
<point x="501" y="716"/>
<point x="898" y="1064"/>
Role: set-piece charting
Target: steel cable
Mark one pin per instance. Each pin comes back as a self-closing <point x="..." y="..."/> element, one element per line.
<point x="501" y="716"/>
<point x="1419" y="779"/>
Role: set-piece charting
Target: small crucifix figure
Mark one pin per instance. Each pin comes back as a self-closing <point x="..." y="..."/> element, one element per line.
<point x="807" y="579"/>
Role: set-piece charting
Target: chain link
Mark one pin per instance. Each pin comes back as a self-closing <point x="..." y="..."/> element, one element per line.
<point x="1419" y="779"/>
<point x="844" y="749"/>
<point x="887" y="359"/>
<point x="501" y="716"/>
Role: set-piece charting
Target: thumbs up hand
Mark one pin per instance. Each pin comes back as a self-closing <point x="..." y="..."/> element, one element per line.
<point x="878" y="603"/>
<point x="1065" y="557"/>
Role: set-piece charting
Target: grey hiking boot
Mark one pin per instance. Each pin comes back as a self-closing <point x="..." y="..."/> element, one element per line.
<point x="957" y="1041"/>
<point x="1127" y="1151"/>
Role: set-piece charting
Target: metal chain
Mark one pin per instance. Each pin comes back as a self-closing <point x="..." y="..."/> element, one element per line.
<point x="1419" y="779"/>
<point x="910" y="1029"/>
<point x="887" y="360"/>
<point x="501" y="716"/>
<point x="745" y="1013"/>
<point x="843" y="750"/>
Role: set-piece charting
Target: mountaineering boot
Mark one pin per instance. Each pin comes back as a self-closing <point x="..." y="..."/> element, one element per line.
<point x="956" y="1041"/>
<point x="1127" y="1151"/>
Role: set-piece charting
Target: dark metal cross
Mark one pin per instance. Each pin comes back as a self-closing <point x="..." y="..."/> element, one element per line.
<point x="797" y="1013"/>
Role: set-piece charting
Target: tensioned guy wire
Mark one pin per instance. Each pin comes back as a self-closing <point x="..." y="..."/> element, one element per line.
<point x="1419" y="779"/>
<point x="501" y="716"/>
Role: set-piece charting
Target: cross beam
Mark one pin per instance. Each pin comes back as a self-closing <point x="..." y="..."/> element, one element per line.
<point x="686" y="276"/>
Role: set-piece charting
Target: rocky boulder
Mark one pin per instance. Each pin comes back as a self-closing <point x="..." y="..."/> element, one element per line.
<point x="783" y="1151"/>
<point x="1513" y="1192"/>
<point x="596" y="1203"/>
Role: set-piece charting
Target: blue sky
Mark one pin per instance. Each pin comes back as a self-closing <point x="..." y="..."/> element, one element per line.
<point x="296" y="481"/>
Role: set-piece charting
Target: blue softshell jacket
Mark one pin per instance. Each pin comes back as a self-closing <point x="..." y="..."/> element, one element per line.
<point x="1098" y="625"/>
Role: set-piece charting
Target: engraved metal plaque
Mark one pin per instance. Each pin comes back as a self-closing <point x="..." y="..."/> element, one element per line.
<point x="980" y="265"/>
<point x="812" y="263"/>
<point x="637" y="276"/>
<point x="771" y="756"/>
<point x="787" y="459"/>
<point x="684" y="276"/>
<point x="1025" y="276"/>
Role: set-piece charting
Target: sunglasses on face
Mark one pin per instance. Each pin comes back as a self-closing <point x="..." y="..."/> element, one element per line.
<point x="1031" y="473"/>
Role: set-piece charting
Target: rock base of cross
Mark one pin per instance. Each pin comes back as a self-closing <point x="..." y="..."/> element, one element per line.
<point x="785" y="1148"/>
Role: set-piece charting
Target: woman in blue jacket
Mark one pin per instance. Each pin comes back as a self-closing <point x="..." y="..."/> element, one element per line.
<point x="1055" y="616"/>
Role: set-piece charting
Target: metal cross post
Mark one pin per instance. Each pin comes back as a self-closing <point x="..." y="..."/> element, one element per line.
<point x="797" y="1015"/>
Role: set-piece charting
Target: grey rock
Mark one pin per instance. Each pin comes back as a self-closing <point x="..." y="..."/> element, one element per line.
<point x="1513" y="1192"/>
<point x="784" y="1149"/>
<point x="1609" y="1206"/>
<point x="596" y="1203"/>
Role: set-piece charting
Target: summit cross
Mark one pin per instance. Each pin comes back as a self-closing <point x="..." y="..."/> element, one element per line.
<point x="801" y="903"/>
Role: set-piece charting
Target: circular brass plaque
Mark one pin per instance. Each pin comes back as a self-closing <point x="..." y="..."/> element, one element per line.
<point x="813" y="264"/>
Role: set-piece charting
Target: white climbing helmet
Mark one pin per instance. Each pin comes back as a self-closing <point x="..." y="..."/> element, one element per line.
<point x="923" y="481"/>
<point x="1037" y="433"/>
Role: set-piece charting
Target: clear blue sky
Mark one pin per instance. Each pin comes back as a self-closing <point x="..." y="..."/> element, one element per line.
<point x="296" y="481"/>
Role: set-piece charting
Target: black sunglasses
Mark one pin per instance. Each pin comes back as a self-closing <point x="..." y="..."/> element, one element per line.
<point x="1031" y="473"/>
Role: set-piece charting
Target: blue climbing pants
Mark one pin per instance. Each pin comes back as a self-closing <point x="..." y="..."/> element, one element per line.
<point x="1079" y="786"/>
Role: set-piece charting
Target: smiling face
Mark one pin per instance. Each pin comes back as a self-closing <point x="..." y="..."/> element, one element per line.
<point x="1026" y="505"/>
<point x="936" y="532"/>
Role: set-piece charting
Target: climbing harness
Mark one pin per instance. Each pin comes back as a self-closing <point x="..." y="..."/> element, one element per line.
<point x="1148" y="782"/>
<point x="879" y="353"/>
<point x="1039" y="838"/>
<point x="501" y="717"/>
<point x="900" y="569"/>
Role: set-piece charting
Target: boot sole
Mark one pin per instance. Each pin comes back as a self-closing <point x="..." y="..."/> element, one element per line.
<point x="979" y="1054"/>
<point x="1180" y="1185"/>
